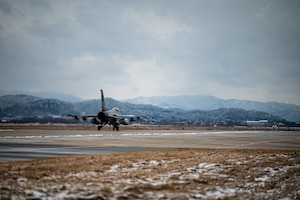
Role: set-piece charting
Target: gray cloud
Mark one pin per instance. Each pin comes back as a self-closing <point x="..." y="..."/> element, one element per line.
<point x="230" y="49"/>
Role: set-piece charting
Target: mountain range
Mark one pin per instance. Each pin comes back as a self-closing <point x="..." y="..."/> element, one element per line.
<point x="45" y="95"/>
<point x="289" y="112"/>
<point x="26" y="106"/>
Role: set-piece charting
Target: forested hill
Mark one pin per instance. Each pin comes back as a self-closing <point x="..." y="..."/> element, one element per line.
<point x="25" y="106"/>
<point x="289" y="112"/>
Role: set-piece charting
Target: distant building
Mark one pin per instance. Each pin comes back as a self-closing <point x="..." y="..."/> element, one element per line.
<point x="263" y="122"/>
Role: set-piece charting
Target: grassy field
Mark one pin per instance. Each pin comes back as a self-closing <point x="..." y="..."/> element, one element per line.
<point x="178" y="174"/>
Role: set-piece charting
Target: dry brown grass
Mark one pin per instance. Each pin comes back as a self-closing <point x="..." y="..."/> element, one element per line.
<point x="180" y="174"/>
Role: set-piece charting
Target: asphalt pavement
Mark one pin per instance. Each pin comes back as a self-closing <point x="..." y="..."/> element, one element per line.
<point x="18" y="145"/>
<point x="21" y="151"/>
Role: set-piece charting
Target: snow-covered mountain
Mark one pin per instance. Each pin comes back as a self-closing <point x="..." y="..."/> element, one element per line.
<point x="35" y="109"/>
<point x="205" y="102"/>
<point x="185" y="102"/>
<point x="289" y="112"/>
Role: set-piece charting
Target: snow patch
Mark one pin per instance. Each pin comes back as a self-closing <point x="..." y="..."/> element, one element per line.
<point x="220" y="193"/>
<point x="113" y="169"/>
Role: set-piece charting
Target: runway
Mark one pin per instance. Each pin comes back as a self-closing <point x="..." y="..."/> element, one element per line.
<point x="21" y="152"/>
<point x="16" y="145"/>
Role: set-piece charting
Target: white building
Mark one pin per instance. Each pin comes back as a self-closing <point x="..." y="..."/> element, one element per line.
<point x="262" y="122"/>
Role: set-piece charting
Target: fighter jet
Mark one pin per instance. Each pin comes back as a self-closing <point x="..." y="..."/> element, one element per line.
<point x="111" y="117"/>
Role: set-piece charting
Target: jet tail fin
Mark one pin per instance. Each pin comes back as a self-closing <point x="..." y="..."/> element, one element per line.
<point x="104" y="108"/>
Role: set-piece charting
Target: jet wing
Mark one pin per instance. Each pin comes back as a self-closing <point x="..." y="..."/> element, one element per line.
<point x="84" y="117"/>
<point x="132" y="117"/>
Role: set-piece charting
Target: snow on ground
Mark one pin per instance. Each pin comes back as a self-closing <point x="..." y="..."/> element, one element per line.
<point x="196" y="174"/>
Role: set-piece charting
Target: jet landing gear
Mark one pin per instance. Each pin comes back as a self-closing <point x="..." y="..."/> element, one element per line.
<point x="99" y="127"/>
<point x="116" y="128"/>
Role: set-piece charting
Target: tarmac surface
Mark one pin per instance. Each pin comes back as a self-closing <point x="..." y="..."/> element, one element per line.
<point x="18" y="145"/>
<point x="21" y="152"/>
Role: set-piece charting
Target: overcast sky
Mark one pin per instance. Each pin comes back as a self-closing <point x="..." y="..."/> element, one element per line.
<point x="229" y="49"/>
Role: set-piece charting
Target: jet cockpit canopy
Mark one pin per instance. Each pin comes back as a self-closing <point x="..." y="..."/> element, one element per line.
<point x="116" y="110"/>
